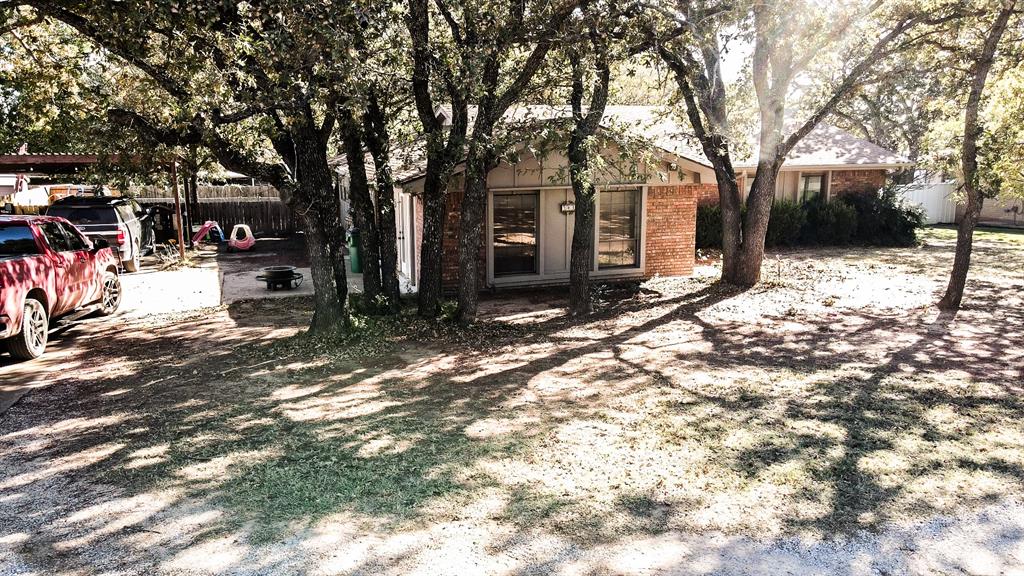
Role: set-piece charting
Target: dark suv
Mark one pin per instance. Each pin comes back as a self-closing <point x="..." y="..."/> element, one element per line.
<point x="119" y="221"/>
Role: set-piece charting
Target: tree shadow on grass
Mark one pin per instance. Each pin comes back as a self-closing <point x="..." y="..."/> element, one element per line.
<point x="277" y="444"/>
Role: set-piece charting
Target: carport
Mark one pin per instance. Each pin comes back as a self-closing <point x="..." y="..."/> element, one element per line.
<point x="59" y="164"/>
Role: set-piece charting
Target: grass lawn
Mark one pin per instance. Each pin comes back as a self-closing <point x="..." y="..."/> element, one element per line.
<point x="831" y="401"/>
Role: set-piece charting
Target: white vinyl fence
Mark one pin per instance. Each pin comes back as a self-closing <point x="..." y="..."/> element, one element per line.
<point x="936" y="200"/>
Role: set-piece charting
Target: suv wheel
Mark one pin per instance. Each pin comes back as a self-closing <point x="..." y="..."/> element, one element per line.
<point x="35" y="330"/>
<point x="135" y="263"/>
<point x="110" y="299"/>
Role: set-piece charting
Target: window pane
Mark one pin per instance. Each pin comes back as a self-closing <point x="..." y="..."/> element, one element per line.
<point x="618" y="229"/>
<point x="811" y="186"/>
<point x="74" y="238"/>
<point x="55" y="236"/>
<point x="515" y="234"/>
<point x="84" y="215"/>
<point x="17" y="241"/>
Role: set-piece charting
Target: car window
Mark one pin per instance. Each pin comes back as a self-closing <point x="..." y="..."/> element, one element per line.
<point x="74" y="237"/>
<point x="16" y="240"/>
<point x="55" y="237"/>
<point x="84" y="215"/>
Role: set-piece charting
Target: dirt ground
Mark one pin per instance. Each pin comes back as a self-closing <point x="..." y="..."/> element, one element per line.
<point x="829" y="421"/>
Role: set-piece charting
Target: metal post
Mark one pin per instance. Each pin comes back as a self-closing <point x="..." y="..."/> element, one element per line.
<point x="177" y="210"/>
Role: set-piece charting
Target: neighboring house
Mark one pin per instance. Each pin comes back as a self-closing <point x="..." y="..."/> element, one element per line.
<point x="646" y="204"/>
<point x="828" y="162"/>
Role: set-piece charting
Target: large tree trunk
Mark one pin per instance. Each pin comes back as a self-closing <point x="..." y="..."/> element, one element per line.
<point x="474" y="202"/>
<point x="435" y="192"/>
<point x="315" y="201"/>
<point x="747" y="269"/>
<point x="362" y="211"/>
<point x="969" y="162"/>
<point x="731" y="204"/>
<point x="328" y="310"/>
<point x="581" y="258"/>
<point x="378" y="142"/>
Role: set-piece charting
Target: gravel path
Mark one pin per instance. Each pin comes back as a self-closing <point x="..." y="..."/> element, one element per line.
<point x="987" y="542"/>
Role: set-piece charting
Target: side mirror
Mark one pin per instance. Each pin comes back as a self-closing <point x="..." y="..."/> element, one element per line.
<point x="100" y="244"/>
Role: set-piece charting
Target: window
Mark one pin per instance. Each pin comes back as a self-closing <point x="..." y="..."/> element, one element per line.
<point x="811" y="186"/>
<point x="618" y="229"/>
<point x="74" y="237"/>
<point x="515" y="233"/>
<point x="84" y="215"/>
<point x="17" y="240"/>
<point x="55" y="236"/>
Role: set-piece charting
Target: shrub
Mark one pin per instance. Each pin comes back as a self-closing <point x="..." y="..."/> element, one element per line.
<point x="872" y="219"/>
<point x="784" y="225"/>
<point x="709" y="226"/>
<point x="884" y="220"/>
<point x="828" y="224"/>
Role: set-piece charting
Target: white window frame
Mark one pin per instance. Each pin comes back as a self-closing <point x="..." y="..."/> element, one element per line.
<point x="541" y="277"/>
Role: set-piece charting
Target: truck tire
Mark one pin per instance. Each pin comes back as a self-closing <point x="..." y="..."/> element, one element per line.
<point x="134" y="263"/>
<point x="110" y="293"/>
<point x="35" y="330"/>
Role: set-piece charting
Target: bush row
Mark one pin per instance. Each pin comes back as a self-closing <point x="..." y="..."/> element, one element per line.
<point x="866" y="219"/>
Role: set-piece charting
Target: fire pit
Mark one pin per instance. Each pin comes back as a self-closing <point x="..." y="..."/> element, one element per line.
<point x="280" y="277"/>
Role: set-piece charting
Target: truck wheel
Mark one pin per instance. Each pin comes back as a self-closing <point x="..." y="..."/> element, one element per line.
<point x="134" y="264"/>
<point x="110" y="294"/>
<point x="35" y="329"/>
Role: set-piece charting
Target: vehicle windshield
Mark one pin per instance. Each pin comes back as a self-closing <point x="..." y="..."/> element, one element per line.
<point x="84" y="215"/>
<point x="17" y="240"/>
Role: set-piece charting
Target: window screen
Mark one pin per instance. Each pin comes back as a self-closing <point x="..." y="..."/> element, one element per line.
<point x="619" y="230"/>
<point x="515" y="233"/>
<point x="17" y="240"/>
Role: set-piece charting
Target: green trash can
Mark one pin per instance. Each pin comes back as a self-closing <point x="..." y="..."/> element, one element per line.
<point x="353" y="253"/>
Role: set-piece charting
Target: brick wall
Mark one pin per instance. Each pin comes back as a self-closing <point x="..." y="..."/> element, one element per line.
<point x="671" y="228"/>
<point x="450" y="243"/>
<point x="708" y="194"/>
<point x="856" y="182"/>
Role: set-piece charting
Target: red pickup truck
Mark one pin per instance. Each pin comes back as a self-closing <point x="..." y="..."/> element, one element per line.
<point x="48" y="269"/>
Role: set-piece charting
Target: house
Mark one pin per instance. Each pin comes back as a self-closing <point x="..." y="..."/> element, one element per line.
<point x="828" y="162"/>
<point x="647" y="198"/>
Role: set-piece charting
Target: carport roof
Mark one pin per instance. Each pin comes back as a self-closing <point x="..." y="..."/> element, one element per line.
<point x="49" y="163"/>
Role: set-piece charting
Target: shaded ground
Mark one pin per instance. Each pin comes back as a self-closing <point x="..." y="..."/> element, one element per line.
<point x="829" y="421"/>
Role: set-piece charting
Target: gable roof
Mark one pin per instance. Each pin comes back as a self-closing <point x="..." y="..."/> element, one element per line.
<point x="825" y="147"/>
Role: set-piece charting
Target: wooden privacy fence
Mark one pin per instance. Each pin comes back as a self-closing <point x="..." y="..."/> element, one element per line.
<point x="257" y="206"/>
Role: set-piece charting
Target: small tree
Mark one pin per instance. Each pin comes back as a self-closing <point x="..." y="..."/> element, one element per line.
<point x="981" y="58"/>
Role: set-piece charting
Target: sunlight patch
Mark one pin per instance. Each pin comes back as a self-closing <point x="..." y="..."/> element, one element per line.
<point x="63" y="464"/>
<point x="293" y="391"/>
<point x="385" y="444"/>
<point x="219" y="468"/>
<point x="148" y="456"/>
<point x="495" y="427"/>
